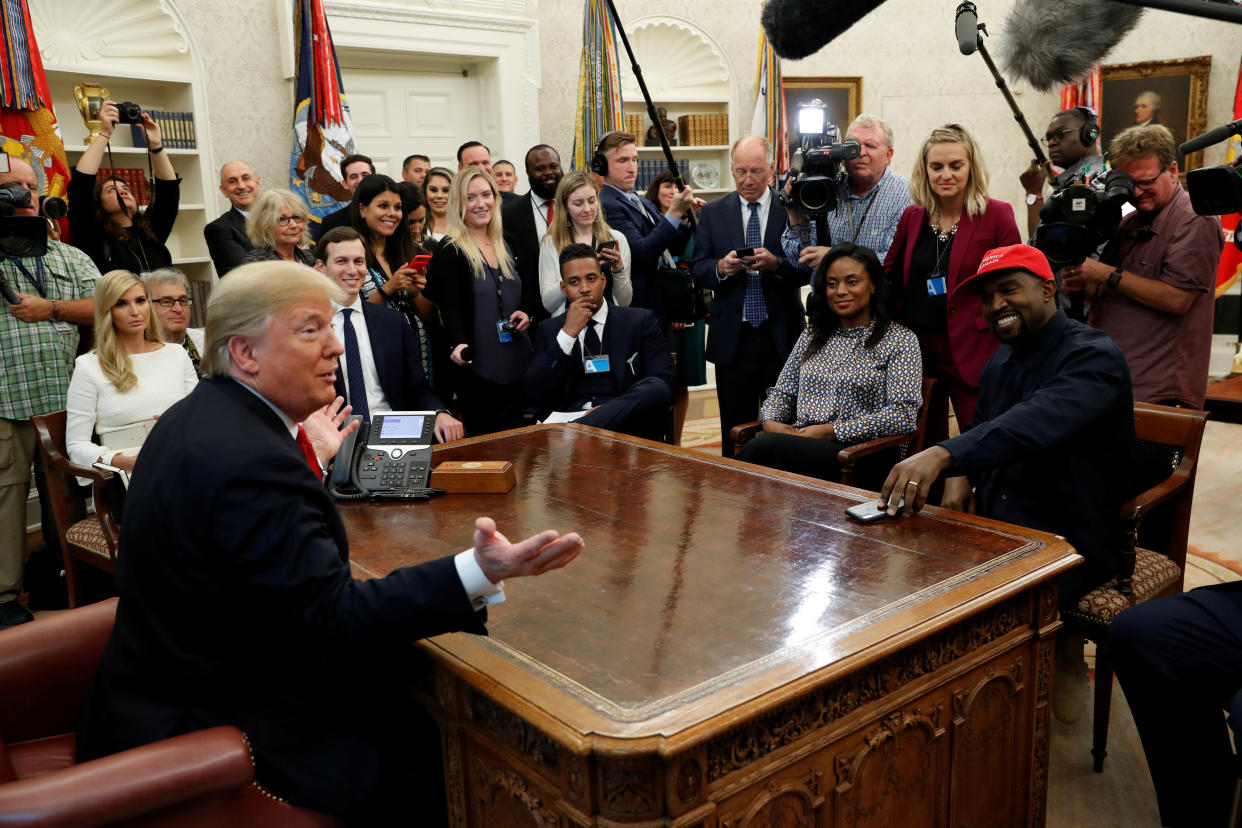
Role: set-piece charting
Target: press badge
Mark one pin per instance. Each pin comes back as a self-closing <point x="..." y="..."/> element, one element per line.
<point x="505" y="336"/>
<point x="596" y="365"/>
<point x="936" y="286"/>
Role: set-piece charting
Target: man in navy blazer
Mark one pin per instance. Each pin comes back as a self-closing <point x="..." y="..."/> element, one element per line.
<point x="227" y="241"/>
<point x="614" y="359"/>
<point x="629" y="213"/>
<point x="237" y="606"/>
<point x="757" y="312"/>
<point x="389" y="371"/>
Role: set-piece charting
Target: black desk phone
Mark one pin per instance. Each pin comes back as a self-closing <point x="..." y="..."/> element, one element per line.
<point x="389" y="460"/>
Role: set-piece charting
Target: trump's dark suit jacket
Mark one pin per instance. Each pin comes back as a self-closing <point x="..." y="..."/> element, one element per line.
<point x="237" y="606"/>
<point x="398" y="361"/>
<point x="632" y="337"/>
<point x="721" y="230"/>
<point x="227" y="241"/>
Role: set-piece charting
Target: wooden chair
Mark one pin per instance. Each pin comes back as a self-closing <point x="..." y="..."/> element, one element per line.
<point x="197" y="779"/>
<point x="93" y="539"/>
<point x="1152" y="561"/>
<point x="903" y="444"/>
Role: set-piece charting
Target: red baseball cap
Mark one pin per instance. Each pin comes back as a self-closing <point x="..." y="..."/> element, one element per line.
<point x="1013" y="257"/>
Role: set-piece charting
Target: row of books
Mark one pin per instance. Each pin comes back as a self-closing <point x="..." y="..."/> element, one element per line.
<point x="135" y="178"/>
<point x="703" y="130"/>
<point x="649" y="168"/>
<point x="635" y="125"/>
<point x="200" y="290"/>
<point x="176" y="127"/>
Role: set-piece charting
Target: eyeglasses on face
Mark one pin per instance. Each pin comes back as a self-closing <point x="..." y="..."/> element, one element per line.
<point x="1056" y="137"/>
<point x="168" y="302"/>
<point x="1148" y="183"/>
<point x="749" y="172"/>
<point x="284" y="221"/>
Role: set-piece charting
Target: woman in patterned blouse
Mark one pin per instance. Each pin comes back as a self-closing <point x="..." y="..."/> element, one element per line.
<point x="853" y="375"/>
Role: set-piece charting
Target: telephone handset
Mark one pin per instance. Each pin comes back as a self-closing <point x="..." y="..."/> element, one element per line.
<point x="389" y="460"/>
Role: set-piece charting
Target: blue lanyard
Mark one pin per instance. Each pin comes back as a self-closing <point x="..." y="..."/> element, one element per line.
<point x="37" y="281"/>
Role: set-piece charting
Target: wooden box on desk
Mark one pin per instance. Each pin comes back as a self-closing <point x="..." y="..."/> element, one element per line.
<point x="481" y="476"/>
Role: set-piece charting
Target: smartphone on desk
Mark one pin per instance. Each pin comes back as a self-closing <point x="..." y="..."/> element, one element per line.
<point x="872" y="510"/>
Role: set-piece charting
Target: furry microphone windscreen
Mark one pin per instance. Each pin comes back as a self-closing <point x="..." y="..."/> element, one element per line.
<point x="798" y="28"/>
<point x="1053" y="42"/>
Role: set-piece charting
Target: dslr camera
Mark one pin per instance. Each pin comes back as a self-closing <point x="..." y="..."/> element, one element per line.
<point x="816" y="167"/>
<point x="508" y="327"/>
<point x="129" y="113"/>
<point x="1079" y="217"/>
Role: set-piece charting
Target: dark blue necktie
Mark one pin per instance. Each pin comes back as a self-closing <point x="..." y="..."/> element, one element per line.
<point x="353" y="367"/>
<point x="755" y="310"/>
<point x="590" y="341"/>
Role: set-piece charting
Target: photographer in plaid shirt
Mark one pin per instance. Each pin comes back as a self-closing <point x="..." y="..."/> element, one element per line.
<point x="38" y="341"/>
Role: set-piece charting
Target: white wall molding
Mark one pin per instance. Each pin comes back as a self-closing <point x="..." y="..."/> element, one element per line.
<point x="111" y="30"/>
<point x="460" y="16"/>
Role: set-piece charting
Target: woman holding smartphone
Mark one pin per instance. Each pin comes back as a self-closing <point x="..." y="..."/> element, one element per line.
<point x="578" y="219"/>
<point x="480" y="296"/>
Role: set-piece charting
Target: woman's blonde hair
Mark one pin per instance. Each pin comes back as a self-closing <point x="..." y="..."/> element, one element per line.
<point x="975" y="199"/>
<point x="460" y="236"/>
<point x="243" y="304"/>
<point x="264" y="214"/>
<point x="562" y="229"/>
<point x="113" y="360"/>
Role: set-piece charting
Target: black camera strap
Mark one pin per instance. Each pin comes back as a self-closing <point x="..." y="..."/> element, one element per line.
<point x="36" y="280"/>
<point x="849" y="209"/>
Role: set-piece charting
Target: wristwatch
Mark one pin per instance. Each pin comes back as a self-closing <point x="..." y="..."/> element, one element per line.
<point x="1114" y="278"/>
<point x="1032" y="199"/>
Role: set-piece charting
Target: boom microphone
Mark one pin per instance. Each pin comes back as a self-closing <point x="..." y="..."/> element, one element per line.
<point x="966" y="25"/>
<point x="1212" y="136"/>
<point x="798" y="28"/>
<point x="1054" y="42"/>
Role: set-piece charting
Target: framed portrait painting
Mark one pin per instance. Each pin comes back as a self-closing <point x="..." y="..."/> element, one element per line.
<point x="842" y="96"/>
<point x="1168" y="92"/>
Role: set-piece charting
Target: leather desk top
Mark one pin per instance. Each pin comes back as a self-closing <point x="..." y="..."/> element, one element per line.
<point x="705" y="584"/>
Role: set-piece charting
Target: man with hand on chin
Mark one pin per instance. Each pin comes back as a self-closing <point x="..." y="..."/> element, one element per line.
<point x="381" y="369"/>
<point x="237" y="605"/>
<point x="612" y="360"/>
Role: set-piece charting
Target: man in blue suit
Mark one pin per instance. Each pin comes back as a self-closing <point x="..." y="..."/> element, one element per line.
<point x="613" y="359"/>
<point x="381" y="369"/>
<point x="649" y="234"/>
<point x="757" y="312"/>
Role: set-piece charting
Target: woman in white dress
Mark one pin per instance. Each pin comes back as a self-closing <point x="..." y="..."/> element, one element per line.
<point x="129" y="378"/>
<point x="578" y="219"/>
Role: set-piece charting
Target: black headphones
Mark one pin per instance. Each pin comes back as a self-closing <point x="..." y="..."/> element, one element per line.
<point x="599" y="162"/>
<point x="1090" y="130"/>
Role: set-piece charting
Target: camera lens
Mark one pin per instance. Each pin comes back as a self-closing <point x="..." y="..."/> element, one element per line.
<point x="814" y="194"/>
<point x="53" y="207"/>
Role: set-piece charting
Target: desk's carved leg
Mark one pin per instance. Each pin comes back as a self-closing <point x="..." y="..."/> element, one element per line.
<point x="631" y="789"/>
<point x="1043" y="712"/>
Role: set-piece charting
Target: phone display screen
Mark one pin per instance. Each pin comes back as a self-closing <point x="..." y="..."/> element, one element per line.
<point x="402" y="427"/>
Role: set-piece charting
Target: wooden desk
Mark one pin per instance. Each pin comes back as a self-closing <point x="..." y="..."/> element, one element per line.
<point x="731" y="650"/>
<point x="1224" y="400"/>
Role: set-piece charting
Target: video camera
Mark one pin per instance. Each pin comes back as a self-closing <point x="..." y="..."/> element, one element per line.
<point x="1079" y="217"/>
<point x="815" y="170"/>
<point x="1214" y="191"/>
<point x="20" y="236"/>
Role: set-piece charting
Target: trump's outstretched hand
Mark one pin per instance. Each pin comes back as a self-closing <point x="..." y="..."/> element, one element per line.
<point x="500" y="559"/>
<point x="323" y="427"/>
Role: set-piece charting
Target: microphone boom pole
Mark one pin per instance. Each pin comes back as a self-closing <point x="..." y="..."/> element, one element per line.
<point x="651" y="112"/>
<point x="1013" y="105"/>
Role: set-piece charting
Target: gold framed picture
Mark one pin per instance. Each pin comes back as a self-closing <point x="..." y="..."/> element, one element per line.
<point x="842" y="96"/>
<point x="1168" y="92"/>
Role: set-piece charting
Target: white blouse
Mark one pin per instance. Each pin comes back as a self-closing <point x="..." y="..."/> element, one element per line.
<point x="122" y="420"/>
<point x="550" y="276"/>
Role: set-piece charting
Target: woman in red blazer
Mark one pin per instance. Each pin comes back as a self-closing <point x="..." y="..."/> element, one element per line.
<point x="940" y="241"/>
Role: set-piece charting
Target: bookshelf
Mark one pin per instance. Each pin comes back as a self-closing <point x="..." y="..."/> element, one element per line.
<point x="692" y="81"/>
<point x="152" y="91"/>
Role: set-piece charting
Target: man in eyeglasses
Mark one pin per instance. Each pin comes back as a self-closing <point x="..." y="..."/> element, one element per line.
<point x="1073" y="142"/>
<point x="1153" y="288"/>
<point x="170" y="293"/>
